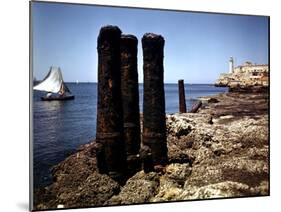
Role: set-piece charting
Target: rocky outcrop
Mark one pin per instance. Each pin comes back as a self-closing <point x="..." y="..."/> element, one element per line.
<point x="220" y="151"/>
<point x="228" y="148"/>
<point x="77" y="183"/>
<point x="245" y="82"/>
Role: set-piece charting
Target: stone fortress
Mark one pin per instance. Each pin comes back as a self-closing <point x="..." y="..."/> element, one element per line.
<point x="244" y="76"/>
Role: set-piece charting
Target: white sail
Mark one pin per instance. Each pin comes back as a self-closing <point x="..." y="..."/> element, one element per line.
<point x="52" y="82"/>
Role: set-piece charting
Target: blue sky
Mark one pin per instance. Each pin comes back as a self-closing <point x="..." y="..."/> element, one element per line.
<point x="197" y="45"/>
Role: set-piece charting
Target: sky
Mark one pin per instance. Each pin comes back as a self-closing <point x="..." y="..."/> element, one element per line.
<point x="197" y="45"/>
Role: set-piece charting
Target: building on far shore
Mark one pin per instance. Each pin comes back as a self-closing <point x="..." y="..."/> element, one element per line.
<point x="245" y="75"/>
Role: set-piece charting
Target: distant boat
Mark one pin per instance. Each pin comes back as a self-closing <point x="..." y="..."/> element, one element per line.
<point x="53" y="84"/>
<point x="77" y="82"/>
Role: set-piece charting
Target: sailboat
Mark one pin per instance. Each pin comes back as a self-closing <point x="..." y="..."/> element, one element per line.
<point x="53" y="84"/>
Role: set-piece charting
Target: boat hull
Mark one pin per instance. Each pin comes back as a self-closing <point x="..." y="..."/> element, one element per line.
<point x="57" y="98"/>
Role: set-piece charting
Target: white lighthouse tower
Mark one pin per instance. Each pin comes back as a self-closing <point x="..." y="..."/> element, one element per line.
<point x="231" y="65"/>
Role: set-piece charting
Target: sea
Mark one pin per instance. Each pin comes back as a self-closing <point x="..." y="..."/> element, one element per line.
<point x="60" y="127"/>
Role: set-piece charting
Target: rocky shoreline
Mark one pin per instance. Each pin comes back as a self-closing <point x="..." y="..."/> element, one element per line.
<point x="220" y="151"/>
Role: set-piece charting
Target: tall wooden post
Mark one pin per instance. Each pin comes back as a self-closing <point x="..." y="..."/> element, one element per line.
<point x="130" y="98"/>
<point x="112" y="156"/>
<point x="154" y="117"/>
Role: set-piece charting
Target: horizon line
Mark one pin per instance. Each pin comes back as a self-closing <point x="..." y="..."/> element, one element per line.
<point x="190" y="83"/>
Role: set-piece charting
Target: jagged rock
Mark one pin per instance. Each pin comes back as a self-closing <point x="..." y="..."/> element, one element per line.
<point x="138" y="189"/>
<point x="75" y="169"/>
<point x="177" y="125"/>
<point x="218" y="149"/>
<point x="181" y="124"/>
<point x="180" y="157"/>
<point x="94" y="191"/>
<point x="219" y="190"/>
<point x="44" y="198"/>
<point x="178" y="172"/>
<point x="172" y="182"/>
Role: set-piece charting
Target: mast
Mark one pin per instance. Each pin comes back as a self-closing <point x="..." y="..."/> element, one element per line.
<point x="64" y="89"/>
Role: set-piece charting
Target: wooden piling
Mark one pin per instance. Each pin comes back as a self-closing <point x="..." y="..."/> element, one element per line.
<point x="130" y="99"/>
<point x="195" y="107"/>
<point x="154" y="117"/>
<point x="112" y="156"/>
<point x="182" y="104"/>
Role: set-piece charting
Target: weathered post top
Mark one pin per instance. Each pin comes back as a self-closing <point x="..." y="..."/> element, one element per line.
<point x="109" y="34"/>
<point x="129" y="41"/>
<point x="182" y="104"/>
<point x="154" y="117"/>
<point x="153" y="39"/>
<point x="130" y="99"/>
<point x="112" y="156"/>
<point x="109" y="90"/>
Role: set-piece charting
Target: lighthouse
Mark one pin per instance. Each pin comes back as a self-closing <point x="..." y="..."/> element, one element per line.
<point x="231" y="65"/>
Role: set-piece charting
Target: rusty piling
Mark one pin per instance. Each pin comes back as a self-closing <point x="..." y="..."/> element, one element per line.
<point x="154" y="117"/>
<point x="112" y="156"/>
<point x="130" y="98"/>
<point x="182" y="104"/>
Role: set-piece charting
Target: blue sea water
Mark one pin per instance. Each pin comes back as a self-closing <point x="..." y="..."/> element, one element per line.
<point x="60" y="127"/>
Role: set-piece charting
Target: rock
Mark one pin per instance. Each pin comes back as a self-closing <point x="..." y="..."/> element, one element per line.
<point x="232" y="149"/>
<point x="178" y="172"/>
<point x="172" y="182"/>
<point x="182" y="124"/>
<point x="226" y="117"/>
<point x="217" y="190"/>
<point x="168" y="192"/>
<point x="247" y="171"/>
<point x="213" y="100"/>
<point x="178" y="125"/>
<point x="218" y="149"/>
<point x="238" y="105"/>
<point x="138" y="189"/>
<point x="206" y="100"/>
<point x="160" y="169"/>
<point x="44" y="198"/>
<point x="180" y="157"/>
<point x="93" y="192"/>
<point x="74" y="170"/>
<point x="60" y="206"/>
<point x="247" y="88"/>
